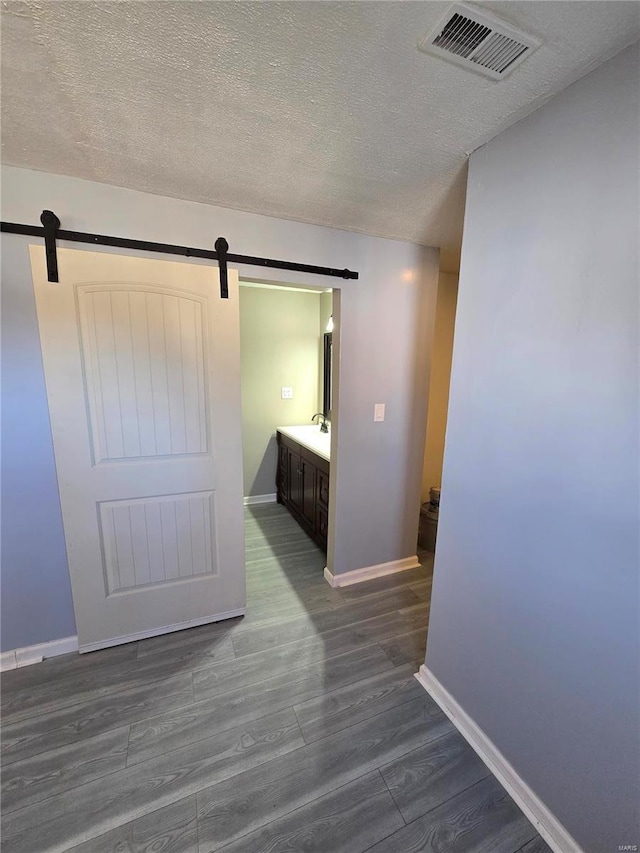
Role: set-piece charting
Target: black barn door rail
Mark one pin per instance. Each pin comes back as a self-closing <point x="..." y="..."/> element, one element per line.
<point x="51" y="232"/>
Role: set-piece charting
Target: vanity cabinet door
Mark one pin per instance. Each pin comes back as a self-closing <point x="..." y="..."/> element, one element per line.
<point x="322" y="526"/>
<point x="308" y="491"/>
<point x="323" y="489"/>
<point x="293" y="471"/>
<point x="282" y="482"/>
<point x="322" y="503"/>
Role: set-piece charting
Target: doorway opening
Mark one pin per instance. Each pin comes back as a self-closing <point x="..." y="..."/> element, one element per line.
<point x="287" y="380"/>
<point x="439" y="382"/>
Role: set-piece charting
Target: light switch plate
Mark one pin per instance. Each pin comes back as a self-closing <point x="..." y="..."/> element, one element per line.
<point x="287" y="393"/>
<point x="378" y="412"/>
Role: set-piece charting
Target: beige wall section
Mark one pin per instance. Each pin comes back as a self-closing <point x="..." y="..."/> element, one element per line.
<point x="279" y="332"/>
<point x="439" y="383"/>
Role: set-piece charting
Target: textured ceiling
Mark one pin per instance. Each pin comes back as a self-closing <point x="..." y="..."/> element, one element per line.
<point x="318" y="111"/>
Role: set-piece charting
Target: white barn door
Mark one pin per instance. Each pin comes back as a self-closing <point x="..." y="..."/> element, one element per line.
<point x="142" y="367"/>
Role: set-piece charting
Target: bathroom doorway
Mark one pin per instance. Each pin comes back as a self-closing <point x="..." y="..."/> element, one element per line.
<point x="287" y="378"/>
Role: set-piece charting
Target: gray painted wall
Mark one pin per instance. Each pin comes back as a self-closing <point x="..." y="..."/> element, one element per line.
<point x="279" y="333"/>
<point x="387" y="317"/>
<point x="36" y="591"/>
<point x="534" y="615"/>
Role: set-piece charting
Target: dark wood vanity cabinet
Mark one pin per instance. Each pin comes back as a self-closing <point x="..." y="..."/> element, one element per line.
<point x="302" y="484"/>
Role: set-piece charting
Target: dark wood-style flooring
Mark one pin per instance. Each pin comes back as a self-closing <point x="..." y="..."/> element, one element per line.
<point x="298" y="728"/>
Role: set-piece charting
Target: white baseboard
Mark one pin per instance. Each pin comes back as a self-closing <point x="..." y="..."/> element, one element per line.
<point x="156" y="632"/>
<point x="252" y="500"/>
<point x="369" y="572"/>
<point x="7" y="660"/>
<point x="35" y="654"/>
<point x="544" y="821"/>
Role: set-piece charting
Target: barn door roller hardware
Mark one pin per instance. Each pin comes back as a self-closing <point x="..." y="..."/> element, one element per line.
<point x="52" y="232"/>
<point x="50" y="225"/>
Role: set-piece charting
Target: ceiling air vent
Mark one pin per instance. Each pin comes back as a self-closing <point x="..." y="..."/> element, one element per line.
<point x="479" y="41"/>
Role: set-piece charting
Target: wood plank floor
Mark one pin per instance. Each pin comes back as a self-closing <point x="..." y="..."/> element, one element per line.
<point x="298" y="728"/>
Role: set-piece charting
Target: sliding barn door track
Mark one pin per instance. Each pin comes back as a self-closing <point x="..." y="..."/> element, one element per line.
<point x="51" y="232"/>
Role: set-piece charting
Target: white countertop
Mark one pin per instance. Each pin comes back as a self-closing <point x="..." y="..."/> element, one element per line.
<point x="309" y="436"/>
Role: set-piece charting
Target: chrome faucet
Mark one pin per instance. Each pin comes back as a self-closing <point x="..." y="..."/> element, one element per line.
<point x="323" y="425"/>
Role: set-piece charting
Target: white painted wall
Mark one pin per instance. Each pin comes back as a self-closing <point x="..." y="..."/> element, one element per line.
<point x="387" y="318"/>
<point x="534" y="622"/>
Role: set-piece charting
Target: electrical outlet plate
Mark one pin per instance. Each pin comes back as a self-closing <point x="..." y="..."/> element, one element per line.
<point x="287" y="393"/>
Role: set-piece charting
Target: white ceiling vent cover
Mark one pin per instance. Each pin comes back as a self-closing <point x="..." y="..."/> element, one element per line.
<point x="479" y="42"/>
